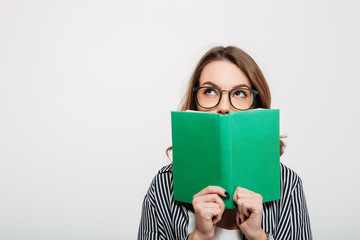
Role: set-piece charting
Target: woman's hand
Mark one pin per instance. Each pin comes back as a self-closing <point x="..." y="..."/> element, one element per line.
<point x="209" y="208"/>
<point x="249" y="214"/>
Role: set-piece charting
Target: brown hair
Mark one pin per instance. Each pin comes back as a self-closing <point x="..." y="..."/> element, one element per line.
<point x="246" y="64"/>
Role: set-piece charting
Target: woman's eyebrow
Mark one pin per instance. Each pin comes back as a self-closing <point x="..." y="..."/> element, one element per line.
<point x="237" y="86"/>
<point x="210" y="83"/>
<point x="241" y="85"/>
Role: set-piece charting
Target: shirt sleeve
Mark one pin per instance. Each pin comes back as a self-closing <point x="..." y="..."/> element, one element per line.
<point x="148" y="228"/>
<point x="156" y="217"/>
<point x="300" y="228"/>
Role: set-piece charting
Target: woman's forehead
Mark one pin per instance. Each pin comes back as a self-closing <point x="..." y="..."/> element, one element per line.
<point x="224" y="74"/>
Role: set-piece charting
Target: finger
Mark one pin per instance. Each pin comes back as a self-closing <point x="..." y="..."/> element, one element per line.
<point x="211" y="205"/>
<point x="219" y="204"/>
<point x="215" y="206"/>
<point x="237" y="192"/>
<point x="245" y="194"/>
<point x="252" y="207"/>
<point x="249" y="207"/>
<point x="217" y="215"/>
<point x="242" y="209"/>
<point x="212" y="189"/>
<point x="240" y="218"/>
<point x="210" y="213"/>
<point x="253" y="197"/>
<point x="210" y="198"/>
<point x="242" y="191"/>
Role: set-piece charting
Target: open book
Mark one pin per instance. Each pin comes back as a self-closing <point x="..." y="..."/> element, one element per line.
<point x="237" y="149"/>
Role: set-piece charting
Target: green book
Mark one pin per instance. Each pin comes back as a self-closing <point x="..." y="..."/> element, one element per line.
<point x="237" y="149"/>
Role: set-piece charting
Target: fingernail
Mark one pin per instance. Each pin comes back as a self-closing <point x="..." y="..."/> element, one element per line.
<point x="227" y="194"/>
<point x="239" y="220"/>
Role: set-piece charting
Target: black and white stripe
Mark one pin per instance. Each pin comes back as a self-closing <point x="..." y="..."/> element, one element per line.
<point x="164" y="218"/>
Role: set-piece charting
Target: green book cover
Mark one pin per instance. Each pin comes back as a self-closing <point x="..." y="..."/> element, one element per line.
<point x="236" y="149"/>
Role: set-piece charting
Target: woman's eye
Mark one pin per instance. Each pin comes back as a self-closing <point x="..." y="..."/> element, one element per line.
<point x="240" y="93"/>
<point x="210" y="91"/>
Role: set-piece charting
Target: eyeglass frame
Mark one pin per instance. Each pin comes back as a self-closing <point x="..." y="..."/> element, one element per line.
<point x="254" y="92"/>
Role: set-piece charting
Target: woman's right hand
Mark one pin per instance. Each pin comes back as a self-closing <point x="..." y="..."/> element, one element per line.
<point x="209" y="208"/>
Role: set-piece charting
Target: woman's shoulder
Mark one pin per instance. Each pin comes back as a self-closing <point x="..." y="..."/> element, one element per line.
<point x="290" y="180"/>
<point x="166" y="169"/>
<point x="164" y="175"/>
<point x="162" y="183"/>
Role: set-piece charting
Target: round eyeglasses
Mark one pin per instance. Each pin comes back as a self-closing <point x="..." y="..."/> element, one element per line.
<point x="240" y="98"/>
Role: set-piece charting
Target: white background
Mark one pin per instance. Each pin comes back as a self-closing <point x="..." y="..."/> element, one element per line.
<point x="86" y="90"/>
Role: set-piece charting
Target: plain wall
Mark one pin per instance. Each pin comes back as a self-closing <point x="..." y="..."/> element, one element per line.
<point x="86" y="90"/>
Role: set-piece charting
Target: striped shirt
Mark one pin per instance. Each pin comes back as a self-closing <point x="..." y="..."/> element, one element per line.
<point x="164" y="218"/>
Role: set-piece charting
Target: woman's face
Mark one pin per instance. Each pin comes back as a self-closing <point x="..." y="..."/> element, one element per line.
<point x="226" y="76"/>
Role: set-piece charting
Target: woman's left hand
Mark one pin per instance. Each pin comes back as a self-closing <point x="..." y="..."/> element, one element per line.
<point x="249" y="215"/>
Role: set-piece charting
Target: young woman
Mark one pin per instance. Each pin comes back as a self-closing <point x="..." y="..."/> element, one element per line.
<point x="225" y="80"/>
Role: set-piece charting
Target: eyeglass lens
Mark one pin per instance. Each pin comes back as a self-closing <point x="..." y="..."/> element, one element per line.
<point x="240" y="98"/>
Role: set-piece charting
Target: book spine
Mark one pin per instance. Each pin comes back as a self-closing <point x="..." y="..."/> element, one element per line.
<point x="226" y="157"/>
